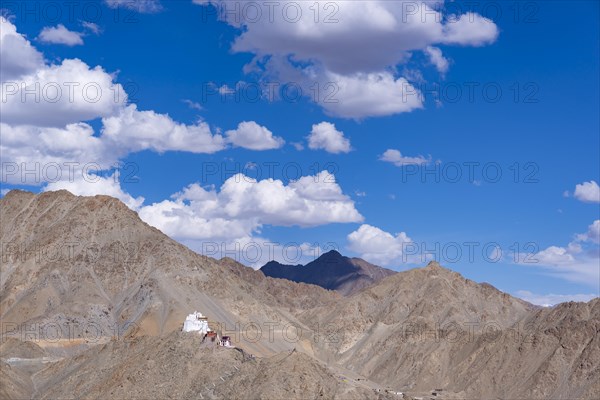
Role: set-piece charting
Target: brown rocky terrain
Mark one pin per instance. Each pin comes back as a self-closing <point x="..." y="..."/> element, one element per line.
<point x="92" y="302"/>
<point x="179" y="366"/>
<point x="432" y="328"/>
<point x="284" y="292"/>
<point x="92" y="267"/>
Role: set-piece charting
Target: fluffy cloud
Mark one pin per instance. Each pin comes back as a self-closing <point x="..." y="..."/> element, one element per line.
<point x="469" y="29"/>
<point x="47" y="142"/>
<point x="346" y="45"/>
<point x="56" y="95"/>
<point x="44" y="112"/>
<point x="333" y="42"/>
<point x="378" y="246"/>
<point x="326" y="137"/>
<point x="549" y="300"/>
<point x="437" y="59"/>
<point x="17" y="56"/>
<point x="60" y="35"/>
<point x="34" y="93"/>
<point x="592" y="234"/>
<point x="34" y="155"/>
<point x="576" y="262"/>
<point x="360" y="95"/>
<point x="250" y="135"/>
<point x="243" y="205"/>
<point x="395" y="157"/>
<point x="588" y="192"/>
<point x="227" y="222"/>
<point x="142" y="130"/>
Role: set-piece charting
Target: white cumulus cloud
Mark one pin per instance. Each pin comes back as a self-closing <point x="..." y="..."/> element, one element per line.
<point x="17" y="56"/>
<point x="228" y="221"/>
<point x="36" y="155"/>
<point x="324" y="136"/>
<point x="56" y="95"/>
<point x="588" y="192"/>
<point x="47" y="109"/>
<point x="92" y="27"/>
<point x="136" y="130"/>
<point x="374" y="94"/>
<point x="592" y="234"/>
<point x="244" y="204"/>
<point x="60" y="35"/>
<point x="253" y="136"/>
<point x="331" y="45"/>
<point x="378" y="246"/>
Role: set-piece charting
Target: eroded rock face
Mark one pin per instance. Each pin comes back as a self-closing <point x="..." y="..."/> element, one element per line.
<point x="116" y="292"/>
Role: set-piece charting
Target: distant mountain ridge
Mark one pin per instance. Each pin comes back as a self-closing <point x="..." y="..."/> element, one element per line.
<point x="331" y="271"/>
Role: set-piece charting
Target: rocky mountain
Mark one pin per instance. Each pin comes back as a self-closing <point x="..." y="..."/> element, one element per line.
<point x="432" y="328"/>
<point x="92" y="302"/>
<point x="90" y="285"/>
<point x="331" y="271"/>
<point x="92" y="267"/>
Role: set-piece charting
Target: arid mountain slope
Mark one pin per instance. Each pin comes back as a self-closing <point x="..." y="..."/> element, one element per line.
<point x="331" y="271"/>
<point x="118" y="291"/>
<point x="91" y="263"/>
<point x="431" y="328"/>
<point x="179" y="366"/>
<point x="284" y="292"/>
<point x="553" y="353"/>
<point x="90" y="269"/>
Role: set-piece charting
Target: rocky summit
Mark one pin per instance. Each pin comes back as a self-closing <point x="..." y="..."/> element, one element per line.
<point x="331" y="271"/>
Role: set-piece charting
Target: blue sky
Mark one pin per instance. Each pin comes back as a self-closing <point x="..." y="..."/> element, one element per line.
<point x="504" y="87"/>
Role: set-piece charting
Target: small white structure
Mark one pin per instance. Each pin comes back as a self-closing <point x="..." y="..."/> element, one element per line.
<point x="226" y="341"/>
<point x="196" y="322"/>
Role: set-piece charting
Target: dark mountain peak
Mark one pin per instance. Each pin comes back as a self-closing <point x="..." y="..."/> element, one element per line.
<point x="271" y="263"/>
<point x="333" y="253"/>
<point x="331" y="271"/>
<point x="330" y="258"/>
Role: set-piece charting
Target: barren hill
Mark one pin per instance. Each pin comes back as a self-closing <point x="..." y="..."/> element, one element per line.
<point x="432" y="328"/>
<point x="331" y="271"/>
<point x="92" y="300"/>
<point x="90" y="264"/>
<point x="85" y="281"/>
<point x="179" y="366"/>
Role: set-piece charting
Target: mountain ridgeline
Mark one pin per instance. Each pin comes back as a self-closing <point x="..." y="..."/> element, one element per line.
<point x="331" y="271"/>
